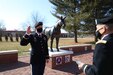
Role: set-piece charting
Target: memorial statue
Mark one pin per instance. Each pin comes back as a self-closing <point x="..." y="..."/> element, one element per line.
<point x="54" y="32"/>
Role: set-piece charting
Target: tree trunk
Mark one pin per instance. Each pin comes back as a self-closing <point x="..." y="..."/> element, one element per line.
<point x="95" y="17"/>
<point x="75" y="32"/>
<point x="95" y="34"/>
<point x="0" y="36"/>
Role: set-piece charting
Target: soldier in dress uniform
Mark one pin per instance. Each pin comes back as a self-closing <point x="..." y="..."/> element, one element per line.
<point x="103" y="53"/>
<point x="39" y="48"/>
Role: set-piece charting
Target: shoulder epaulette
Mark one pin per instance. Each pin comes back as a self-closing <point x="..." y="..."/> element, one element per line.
<point x="101" y="41"/>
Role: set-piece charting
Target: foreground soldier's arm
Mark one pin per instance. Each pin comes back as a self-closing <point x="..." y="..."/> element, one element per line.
<point x="100" y="60"/>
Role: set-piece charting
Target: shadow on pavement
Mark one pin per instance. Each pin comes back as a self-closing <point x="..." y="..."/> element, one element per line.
<point x="71" y="68"/>
<point x="82" y="52"/>
<point x="5" y="67"/>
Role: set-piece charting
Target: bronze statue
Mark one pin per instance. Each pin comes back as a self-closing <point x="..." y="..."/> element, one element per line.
<point x="54" y="32"/>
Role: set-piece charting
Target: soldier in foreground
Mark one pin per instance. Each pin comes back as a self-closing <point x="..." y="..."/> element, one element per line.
<point x="103" y="53"/>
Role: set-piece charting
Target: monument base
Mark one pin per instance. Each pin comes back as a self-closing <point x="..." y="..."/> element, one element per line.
<point x="7" y="57"/>
<point x="77" y="48"/>
<point x="59" y="58"/>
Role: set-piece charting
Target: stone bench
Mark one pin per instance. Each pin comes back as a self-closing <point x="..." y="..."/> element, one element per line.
<point x="59" y="58"/>
<point x="10" y="56"/>
<point x="77" y="48"/>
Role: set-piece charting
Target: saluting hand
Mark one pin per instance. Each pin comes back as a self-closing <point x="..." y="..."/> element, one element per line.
<point x="28" y="30"/>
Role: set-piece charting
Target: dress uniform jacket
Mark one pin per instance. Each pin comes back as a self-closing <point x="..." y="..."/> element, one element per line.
<point x="102" y="59"/>
<point x="39" y="47"/>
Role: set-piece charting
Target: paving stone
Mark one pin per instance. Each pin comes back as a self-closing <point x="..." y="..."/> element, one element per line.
<point x="23" y="66"/>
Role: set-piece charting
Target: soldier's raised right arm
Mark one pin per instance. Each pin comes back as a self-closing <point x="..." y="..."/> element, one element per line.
<point x="26" y="38"/>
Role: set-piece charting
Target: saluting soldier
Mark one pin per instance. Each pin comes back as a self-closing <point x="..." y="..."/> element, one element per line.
<point x="103" y="53"/>
<point x="39" y="48"/>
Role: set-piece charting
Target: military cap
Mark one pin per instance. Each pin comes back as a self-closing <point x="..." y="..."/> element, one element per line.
<point x="38" y="24"/>
<point x="106" y="20"/>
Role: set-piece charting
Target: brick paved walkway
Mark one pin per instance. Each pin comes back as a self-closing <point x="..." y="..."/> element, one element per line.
<point x="23" y="68"/>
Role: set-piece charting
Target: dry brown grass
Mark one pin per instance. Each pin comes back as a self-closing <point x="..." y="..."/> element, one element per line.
<point x="70" y="41"/>
<point x="63" y="42"/>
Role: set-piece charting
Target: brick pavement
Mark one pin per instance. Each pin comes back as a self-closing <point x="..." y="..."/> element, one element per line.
<point x="23" y="66"/>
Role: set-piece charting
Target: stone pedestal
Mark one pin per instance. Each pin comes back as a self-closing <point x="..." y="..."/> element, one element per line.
<point x="77" y="48"/>
<point x="59" y="58"/>
<point x="10" y="56"/>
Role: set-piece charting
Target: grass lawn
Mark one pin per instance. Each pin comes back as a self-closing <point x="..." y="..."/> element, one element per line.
<point x="63" y="42"/>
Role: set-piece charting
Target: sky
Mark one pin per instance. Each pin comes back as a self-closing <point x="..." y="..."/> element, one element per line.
<point x="15" y="13"/>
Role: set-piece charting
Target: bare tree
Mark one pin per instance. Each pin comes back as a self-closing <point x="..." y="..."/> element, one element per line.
<point x="2" y="25"/>
<point x="17" y="37"/>
<point x="25" y="25"/>
<point x="2" y="28"/>
<point x="6" y="37"/>
<point x="35" y="17"/>
<point x="11" y="37"/>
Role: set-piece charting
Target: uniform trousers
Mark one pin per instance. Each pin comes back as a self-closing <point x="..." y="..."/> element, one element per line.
<point x="38" y="69"/>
